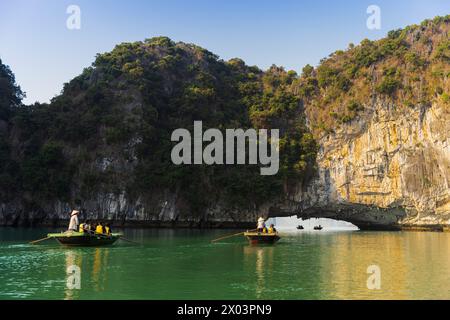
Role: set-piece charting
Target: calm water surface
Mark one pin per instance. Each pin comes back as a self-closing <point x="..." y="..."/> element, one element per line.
<point x="183" y="264"/>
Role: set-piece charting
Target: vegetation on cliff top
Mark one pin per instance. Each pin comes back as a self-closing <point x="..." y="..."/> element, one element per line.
<point x="10" y="99"/>
<point x="409" y="68"/>
<point x="109" y="131"/>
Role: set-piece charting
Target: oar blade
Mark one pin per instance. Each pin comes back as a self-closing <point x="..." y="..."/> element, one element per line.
<point x="131" y="241"/>
<point x="40" y="240"/>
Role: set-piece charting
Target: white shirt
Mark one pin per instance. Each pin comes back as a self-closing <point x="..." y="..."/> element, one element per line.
<point x="261" y="223"/>
<point x="73" y="225"/>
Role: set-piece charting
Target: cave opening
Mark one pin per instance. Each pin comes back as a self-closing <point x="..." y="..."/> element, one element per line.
<point x="293" y="222"/>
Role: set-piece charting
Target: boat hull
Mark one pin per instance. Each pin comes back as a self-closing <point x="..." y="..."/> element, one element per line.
<point x="84" y="240"/>
<point x="262" y="238"/>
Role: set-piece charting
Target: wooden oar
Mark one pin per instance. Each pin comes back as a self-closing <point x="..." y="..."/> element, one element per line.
<point x="231" y="235"/>
<point x="125" y="239"/>
<point x="40" y="240"/>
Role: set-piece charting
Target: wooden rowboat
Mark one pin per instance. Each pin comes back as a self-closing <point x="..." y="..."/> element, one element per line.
<point x="84" y="239"/>
<point x="262" y="238"/>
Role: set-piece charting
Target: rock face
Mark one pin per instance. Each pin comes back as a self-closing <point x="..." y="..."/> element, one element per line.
<point x="389" y="171"/>
<point x="379" y="112"/>
<point x="162" y="210"/>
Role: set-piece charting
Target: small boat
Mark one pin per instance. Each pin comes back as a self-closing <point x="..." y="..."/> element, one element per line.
<point x="300" y="227"/>
<point x="259" y="237"/>
<point x="84" y="239"/>
<point x="318" y="227"/>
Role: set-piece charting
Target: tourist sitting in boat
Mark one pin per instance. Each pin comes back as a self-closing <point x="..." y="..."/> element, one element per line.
<point x="88" y="226"/>
<point x="261" y="224"/>
<point x="108" y="229"/>
<point x="99" y="228"/>
<point x="73" y="224"/>
<point x="82" y="227"/>
<point x="272" y="229"/>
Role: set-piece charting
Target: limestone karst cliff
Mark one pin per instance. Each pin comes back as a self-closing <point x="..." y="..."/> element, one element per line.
<point x="392" y="171"/>
<point x="364" y="137"/>
<point x="384" y="159"/>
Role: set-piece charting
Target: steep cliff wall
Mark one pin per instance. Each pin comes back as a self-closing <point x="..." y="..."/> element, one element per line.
<point x="364" y="138"/>
<point x="392" y="171"/>
<point x="381" y="114"/>
<point x="104" y="145"/>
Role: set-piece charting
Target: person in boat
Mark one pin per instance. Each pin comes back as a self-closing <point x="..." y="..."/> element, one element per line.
<point x="272" y="229"/>
<point x="261" y="224"/>
<point x="99" y="228"/>
<point x="82" y="228"/>
<point x="73" y="224"/>
<point x="88" y="226"/>
<point x="108" y="229"/>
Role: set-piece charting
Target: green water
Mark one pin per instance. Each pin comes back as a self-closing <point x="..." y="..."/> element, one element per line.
<point x="183" y="264"/>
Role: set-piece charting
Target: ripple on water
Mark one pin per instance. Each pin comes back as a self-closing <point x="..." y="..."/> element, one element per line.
<point x="307" y="266"/>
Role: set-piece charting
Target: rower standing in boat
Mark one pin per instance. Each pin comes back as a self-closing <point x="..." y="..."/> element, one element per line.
<point x="261" y="224"/>
<point x="73" y="224"/>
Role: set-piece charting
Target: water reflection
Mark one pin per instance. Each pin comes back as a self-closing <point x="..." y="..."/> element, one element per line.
<point x="73" y="258"/>
<point x="262" y="258"/>
<point x="93" y="272"/>
<point x="184" y="265"/>
<point x="405" y="262"/>
<point x="335" y="266"/>
<point x="99" y="270"/>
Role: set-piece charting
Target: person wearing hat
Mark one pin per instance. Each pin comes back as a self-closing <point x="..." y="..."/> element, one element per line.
<point x="261" y="224"/>
<point x="73" y="225"/>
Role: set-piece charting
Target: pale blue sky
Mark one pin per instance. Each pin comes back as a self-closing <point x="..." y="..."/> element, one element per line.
<point x="43" y="53"/>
